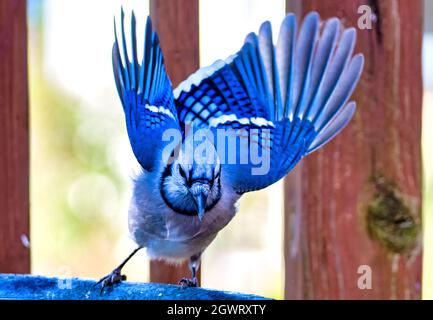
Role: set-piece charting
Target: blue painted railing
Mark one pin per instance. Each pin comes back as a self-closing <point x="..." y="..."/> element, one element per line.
<point x="30" y="287"/>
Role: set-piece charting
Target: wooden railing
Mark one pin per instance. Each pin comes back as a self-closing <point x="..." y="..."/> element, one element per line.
<point x="14" y="138"/>
<point x="359" y="198"/>
<point x="355" y="204"/>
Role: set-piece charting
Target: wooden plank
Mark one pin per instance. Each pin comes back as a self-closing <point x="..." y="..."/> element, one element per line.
<point x="14" y="142"/>
<point x="360" y="196"/>
<point x="176" y="22"/>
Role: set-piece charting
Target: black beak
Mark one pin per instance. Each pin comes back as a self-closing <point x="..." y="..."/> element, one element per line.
<point x="200" y="197"/>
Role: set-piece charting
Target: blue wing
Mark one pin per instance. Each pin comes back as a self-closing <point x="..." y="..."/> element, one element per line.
<point x="293" y="96"/>
<point x="146" y="94"/>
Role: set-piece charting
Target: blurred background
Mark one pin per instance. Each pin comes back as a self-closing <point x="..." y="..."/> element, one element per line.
<point x="81" y="162"/>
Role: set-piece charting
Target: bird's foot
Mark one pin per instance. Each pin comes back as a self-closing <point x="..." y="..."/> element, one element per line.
<point x="113" y="278"/>
<point x="188" y="283"/>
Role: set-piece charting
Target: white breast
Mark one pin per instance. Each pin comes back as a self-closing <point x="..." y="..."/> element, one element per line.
<point x="170" y="235"/>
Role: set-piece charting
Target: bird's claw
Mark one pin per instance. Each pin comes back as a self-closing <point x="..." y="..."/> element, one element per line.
<point x="188" y="283"/>
<point x="111" y="279"/>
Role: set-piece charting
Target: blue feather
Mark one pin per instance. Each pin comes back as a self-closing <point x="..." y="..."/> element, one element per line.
<point x="125" y="54"/>
<point x="334" y="126"/>
<point x="297" y="90"/>
<point x="322" y="57"/>
<point x="343" y="90"/>
<point x="255" y="61"/>
<point x="134" y="62"/>
<point x="339" y="60"/>
<point x="267" y="52"/>
<point x="305" y="45"/>
<point x="286" y="60"/>
<point x="118" y="66"/>
<point x="146" y="94"/>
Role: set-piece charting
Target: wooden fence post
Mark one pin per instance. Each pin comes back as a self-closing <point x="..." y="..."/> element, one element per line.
<point x="14" y="142"/>
<point x="359" y="198"/>
<point x="176" y="22"/>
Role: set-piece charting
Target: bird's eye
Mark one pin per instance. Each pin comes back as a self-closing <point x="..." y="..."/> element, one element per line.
<point x="182" y="172"/>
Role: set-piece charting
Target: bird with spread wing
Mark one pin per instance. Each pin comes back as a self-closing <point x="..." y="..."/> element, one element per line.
<point x="283" y="101"/>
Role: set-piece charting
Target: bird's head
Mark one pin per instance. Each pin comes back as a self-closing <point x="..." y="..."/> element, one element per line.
<point x="190" y="183"/>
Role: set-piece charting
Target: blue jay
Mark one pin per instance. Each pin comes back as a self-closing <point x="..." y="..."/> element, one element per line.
<point x="292" y="95"/>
